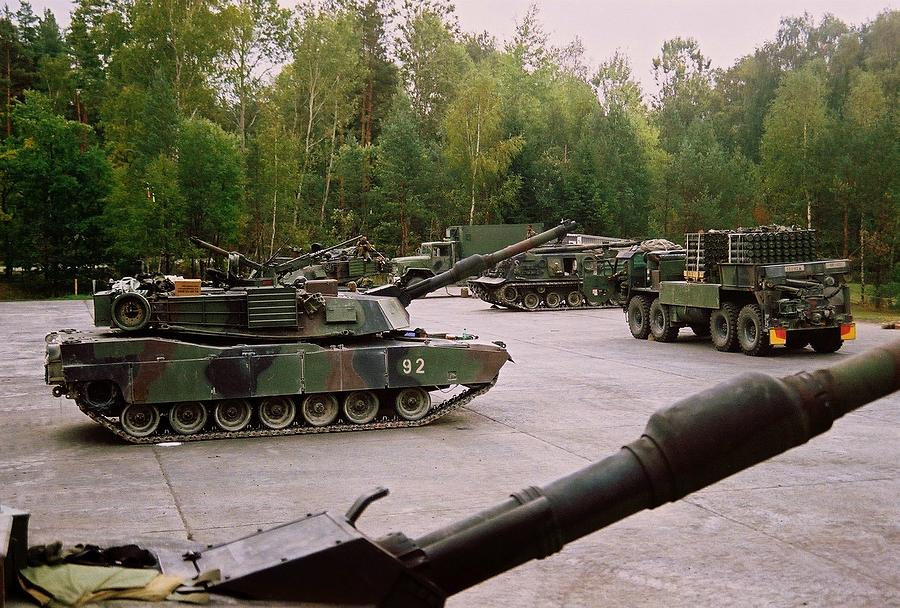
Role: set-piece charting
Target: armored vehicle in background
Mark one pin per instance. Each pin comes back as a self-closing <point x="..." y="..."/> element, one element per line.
<point x="353" y="260"/>
<point x="434" y="257"/>
<point x="750" y="289"/>
<point x="186" y="362"/>
<point x="554" y="277"/>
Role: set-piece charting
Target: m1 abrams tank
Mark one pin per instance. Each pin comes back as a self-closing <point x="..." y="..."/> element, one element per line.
<point x="252" y="360"/>
<point x="554" y="277"/>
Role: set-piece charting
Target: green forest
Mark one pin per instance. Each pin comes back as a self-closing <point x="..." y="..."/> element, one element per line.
<point x="255" y="127"/>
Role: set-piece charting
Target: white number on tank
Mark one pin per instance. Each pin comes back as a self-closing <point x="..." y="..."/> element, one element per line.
<point x="409" y="365"/>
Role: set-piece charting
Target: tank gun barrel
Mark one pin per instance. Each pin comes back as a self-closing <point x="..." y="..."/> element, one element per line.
<point x="302" y="260"/>
<point x="472" y="265"/>
<point x="685" y="447"/>
<point x="584" y="247"/>
<point x="219" y="251"/>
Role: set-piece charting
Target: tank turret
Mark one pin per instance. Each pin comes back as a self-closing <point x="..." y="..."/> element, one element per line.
<point x="684" y="448"/>
<point x="192" y="362"/>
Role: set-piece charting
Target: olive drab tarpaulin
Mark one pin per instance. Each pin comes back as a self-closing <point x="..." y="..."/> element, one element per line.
<point x="78" y="585"/>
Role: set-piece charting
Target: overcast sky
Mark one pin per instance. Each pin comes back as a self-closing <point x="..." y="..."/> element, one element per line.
<point x="725" y="29"/>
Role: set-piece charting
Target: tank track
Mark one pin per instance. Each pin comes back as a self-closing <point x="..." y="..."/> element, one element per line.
<point x="437" y="411"/>
<point x="491" y="296"/>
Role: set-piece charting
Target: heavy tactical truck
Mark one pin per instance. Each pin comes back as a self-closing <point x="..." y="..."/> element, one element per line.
<point x="434" y="257"/>
<point x="186" y="362"/>
<point x="554" y="277"/>
<point x="748" y="290"/>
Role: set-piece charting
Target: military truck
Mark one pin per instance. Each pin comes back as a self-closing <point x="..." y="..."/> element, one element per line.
<point x="749" y="289"/>
<point x="556" y="277"/>
<point x="434" y="257"/>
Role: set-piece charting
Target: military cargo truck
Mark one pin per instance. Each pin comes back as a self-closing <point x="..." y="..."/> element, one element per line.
<point x="749" y="290"/>
<point x="434" y="257"/>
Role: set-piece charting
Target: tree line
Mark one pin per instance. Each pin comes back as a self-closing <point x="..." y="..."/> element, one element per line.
<point x="255" y="127"/>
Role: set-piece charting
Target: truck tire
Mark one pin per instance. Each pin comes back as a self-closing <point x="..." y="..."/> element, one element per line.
<point x="639" y="317"/>
<point x="723" y="328"/>
<point x="660" y="326"/>
<point x="826" y="340"/>
<point x="751" y="332"/>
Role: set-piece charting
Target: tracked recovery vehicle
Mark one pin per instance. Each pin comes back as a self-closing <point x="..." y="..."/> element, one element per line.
<point x="556" y="277"/>
<point x="184" y="362"/>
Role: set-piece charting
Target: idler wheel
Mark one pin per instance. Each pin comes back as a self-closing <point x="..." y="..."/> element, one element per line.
<point x="531" y="301"/>
<point x="232" y="414"/>
<point x="278" y="412"/>
<point x="130" y="311"/>
<point x="413" y="403"/>
<point x="360" y="407"/>
<point x="187" y="418"/>
<point x="139" y="420"/>
<point x="100" y="394"/>
<point x="553" y="300"/>
<point x="320" y="410"/>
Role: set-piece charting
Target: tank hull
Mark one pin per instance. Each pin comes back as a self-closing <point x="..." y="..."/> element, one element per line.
<point x="567" y="294"/>
<point x="106" y="373"/>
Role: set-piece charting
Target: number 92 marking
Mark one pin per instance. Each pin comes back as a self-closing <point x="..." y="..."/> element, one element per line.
<point x="409" y="365"/>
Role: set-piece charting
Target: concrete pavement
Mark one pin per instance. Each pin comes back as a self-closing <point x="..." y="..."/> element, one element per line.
<point x="819" y="526"/>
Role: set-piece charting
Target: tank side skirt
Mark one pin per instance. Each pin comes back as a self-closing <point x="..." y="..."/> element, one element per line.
<point x="437" y="411"/>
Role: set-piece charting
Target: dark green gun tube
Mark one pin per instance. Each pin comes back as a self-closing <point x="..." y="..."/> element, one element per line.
<point x="688" y="446"/>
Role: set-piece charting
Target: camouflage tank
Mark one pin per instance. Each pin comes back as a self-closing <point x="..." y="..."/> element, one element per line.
<point x="552" y="278"/>
<point x="186" y="362"/>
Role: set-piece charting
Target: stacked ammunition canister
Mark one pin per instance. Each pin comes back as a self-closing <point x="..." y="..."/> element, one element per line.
<point x="761" y="245"/>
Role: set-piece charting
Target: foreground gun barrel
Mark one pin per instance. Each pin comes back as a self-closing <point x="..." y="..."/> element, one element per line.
<point x="686" y="447"/>
<point x="474" y="264"/>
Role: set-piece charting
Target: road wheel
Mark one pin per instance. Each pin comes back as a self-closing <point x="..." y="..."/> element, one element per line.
<point x="639" y="317"/>
<point x="553" y="300"/>
<point x="279" y="412"/>
<point x="139" y="420"/>
<point x="723" y="328"/>
<point x="413" y="403"/>
<point x="574" y="299"/>
<point x="660" y="326"/>
<point x="232" y="414"/>
<point x="751" y="332"/>
<point x="531" y="300"/>
<point x="320" y="410"/>
<point x="826" y="340"/>
<point x="509" y="294"/>
<point x="361" y="407"/>
<point x="187" y="418"/>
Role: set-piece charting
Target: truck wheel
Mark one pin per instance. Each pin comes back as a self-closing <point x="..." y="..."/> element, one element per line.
<point x="639" y="317"/>
<point x="826" y="340"/>
<point x="751" y="332"/>
<point x="723" y="328"/>
<point x="660" y="326"/>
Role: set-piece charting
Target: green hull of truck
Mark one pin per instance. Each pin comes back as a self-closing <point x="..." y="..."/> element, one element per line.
<point x="751" y="307"/>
